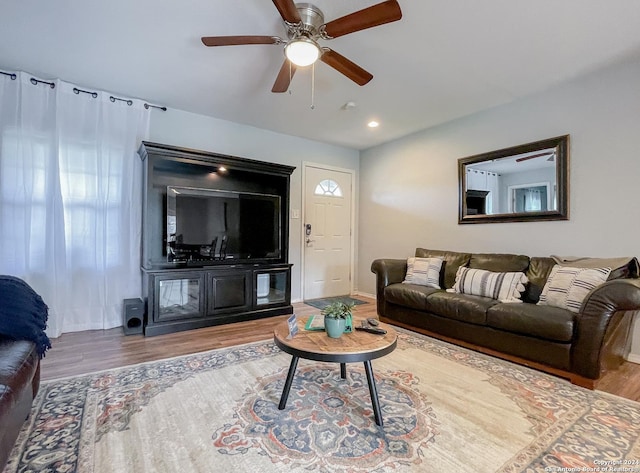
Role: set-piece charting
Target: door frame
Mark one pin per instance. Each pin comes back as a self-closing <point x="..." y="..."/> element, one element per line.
<point x="352" y="174"/>
<point x="511" y="194"/>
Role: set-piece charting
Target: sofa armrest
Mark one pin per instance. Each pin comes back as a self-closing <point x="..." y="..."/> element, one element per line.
<point x="606" y="311"/>
<point x="387" y="271"/>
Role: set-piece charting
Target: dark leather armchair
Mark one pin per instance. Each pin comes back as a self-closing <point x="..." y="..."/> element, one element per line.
<point x="19" y="383"/>
<point x="23" y="318"/>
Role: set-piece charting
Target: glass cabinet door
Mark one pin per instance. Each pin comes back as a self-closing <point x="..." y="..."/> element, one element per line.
<point x="179" y="297"/>
<point x="271" y="287"/>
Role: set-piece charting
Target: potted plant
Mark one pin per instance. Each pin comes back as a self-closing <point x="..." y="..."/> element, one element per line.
<point x="336" y="315"/>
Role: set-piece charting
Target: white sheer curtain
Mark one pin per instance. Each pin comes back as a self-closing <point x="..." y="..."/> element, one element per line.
<point x="71" y="198"/>
<point x="532" y="199"/>
<point x="493" y="199"/>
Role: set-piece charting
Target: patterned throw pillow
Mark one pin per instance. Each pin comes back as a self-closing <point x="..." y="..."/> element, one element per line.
<point x="505" y="287"/>
<point x="567" y="287"/>
<point x="423" y="271"/>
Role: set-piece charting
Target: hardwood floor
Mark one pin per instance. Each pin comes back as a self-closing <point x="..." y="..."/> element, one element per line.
<point x="84" y="352"/>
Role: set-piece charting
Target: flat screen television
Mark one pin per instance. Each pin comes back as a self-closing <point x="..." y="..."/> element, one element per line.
<point x="210" y="226"/>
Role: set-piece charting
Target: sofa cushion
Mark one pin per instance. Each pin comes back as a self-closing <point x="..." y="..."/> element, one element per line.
<point x="567" y="287"/>
<point x="451" y="262"/>
<point x="424" y="272"/>
<point x="505" y="287"/>
<point x="499" y="263"/>
<point x="463" y="307"/>
<point x="545" y="322"/>
<point x="537" y="275"/>
<point x="624" y="267"/>
<point x="413" y="296"/>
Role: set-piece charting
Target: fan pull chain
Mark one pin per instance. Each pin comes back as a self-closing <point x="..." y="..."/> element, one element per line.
<point x="290" y="78"/>
<point x="313" y="84"/>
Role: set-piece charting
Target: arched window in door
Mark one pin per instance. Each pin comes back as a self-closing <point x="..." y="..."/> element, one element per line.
<point x="328" y="187"/>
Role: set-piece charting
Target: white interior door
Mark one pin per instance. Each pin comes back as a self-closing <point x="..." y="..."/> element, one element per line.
<point x="327" y="233"/>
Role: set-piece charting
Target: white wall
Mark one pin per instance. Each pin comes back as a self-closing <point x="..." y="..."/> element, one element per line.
<point x="409" y="187"/>
<point x="179" y="128"/>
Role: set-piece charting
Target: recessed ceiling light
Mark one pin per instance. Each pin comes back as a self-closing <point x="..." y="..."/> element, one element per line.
<point x="373" y="124"/>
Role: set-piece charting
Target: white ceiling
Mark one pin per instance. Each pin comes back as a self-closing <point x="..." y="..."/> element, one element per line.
<point x="443" y="60"/>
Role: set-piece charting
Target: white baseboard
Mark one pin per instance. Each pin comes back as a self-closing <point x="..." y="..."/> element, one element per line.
<point x="633" y="358"/>
<point x="355" y="293"/>
<point x="364" y="294"/>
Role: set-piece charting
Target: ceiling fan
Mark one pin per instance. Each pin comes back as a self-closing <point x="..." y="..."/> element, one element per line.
<point x="305" y="25"/>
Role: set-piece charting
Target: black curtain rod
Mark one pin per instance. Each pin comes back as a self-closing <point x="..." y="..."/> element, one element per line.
<point x="77" y="91"/>
<point x="147" y="105"/>
<point x="113" y="99"/>
<point x="127" y="101"/>
<point x="35" y="81"/>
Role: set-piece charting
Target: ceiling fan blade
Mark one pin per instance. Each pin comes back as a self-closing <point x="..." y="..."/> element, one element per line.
<point x="288" y="11"/>
<point x="285" y="75"/>
<point x="379" y="14"/>
<point x="238" y="40"/>
<point x="525" y="158"/>
<point x="345" y="66"/>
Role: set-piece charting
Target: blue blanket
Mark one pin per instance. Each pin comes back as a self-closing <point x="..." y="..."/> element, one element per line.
<point x="23" y="313"/>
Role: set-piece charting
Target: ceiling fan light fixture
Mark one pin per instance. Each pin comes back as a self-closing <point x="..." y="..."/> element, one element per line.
<point x="302" y="51"/>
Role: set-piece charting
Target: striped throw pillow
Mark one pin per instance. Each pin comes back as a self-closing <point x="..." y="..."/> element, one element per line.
<point x="423" y="271"/>
<point x="567" y="287"/>
<point x="505" y="287"/>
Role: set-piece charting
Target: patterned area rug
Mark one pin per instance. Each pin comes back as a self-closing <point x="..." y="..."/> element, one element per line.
<point x="325" y="301"/>
<point x="445" y="409"/>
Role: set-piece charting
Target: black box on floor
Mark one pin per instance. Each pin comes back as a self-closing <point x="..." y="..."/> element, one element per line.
<point x="132" y="316"/>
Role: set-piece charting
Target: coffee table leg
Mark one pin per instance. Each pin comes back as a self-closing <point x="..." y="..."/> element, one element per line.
<point x="373" y="391"/>
<point x="343" y="370"/>
<point x="287" y="383"/>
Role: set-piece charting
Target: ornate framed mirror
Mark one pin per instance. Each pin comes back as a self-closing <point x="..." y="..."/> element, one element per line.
<point x="523" y="183"/>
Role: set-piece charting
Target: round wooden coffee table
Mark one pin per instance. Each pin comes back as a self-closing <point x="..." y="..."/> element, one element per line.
<point x="358" y="346"/>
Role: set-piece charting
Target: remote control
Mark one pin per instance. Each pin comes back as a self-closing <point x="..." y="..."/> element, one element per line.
<point x="373" y="322"/>
<point x="376" y="330"/>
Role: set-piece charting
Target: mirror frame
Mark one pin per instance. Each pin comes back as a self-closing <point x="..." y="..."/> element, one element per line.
<point x="560" y="143"/>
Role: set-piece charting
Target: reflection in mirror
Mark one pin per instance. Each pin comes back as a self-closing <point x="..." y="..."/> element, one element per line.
<point x="522" y="183"/>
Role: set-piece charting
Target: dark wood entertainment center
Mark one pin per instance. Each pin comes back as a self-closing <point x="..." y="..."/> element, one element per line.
<point x="233" y="275"/>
